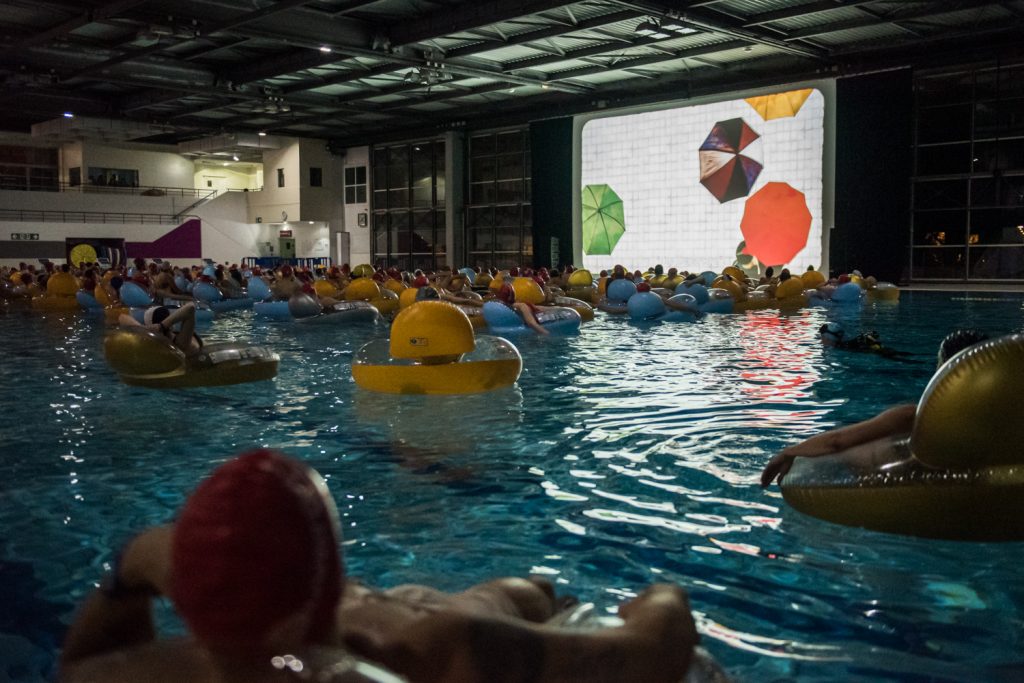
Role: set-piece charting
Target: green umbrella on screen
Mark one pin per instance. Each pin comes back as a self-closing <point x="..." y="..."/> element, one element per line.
<point x="603" y="219"/>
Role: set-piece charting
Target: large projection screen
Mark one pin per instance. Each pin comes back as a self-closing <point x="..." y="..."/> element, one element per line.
<point x="704" y="186"/>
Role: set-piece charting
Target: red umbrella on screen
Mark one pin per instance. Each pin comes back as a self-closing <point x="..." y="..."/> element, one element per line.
<point x="725" y="172"/>
<point x="775" y="224"/>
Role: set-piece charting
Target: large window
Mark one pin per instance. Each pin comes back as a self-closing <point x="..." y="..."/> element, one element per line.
<point x="498" y="212"/>
<point x="355" y="185"/>
<point x="968" y="187"/>
<point x="408" y="205"/>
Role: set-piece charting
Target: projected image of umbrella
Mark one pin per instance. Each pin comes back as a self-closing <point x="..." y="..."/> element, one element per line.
<point x="725" y="172"/>
<point x="775" y="223"/>
<point x="779" y="105"/>
<point x="604" y="221"/>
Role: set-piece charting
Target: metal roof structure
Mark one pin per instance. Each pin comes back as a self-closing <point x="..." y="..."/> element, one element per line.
<point x="360" y="71"/>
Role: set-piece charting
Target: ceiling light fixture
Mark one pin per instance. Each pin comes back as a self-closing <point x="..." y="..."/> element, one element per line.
<point x="235" y="157"/>
<point x="262" y="133"/>
<point x="324" y="48"/>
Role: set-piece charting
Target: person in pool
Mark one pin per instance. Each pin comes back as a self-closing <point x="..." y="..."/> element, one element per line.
<point x="252" y="567"/>
<point x="161" y="320"/>
<point x="896" y="420"/>
<point x="527" y="311"/>
<point x="833" y="335"/>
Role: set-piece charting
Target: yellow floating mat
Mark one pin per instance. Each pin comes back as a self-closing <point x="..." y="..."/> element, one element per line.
<point x="492" y="364"/>
<point x="146" y="359"/>
<point x="880" y="486"/>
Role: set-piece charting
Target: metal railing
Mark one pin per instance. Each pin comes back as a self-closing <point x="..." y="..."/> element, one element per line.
<point x="276" y="261"/>
<point x="24" y="184"/>
<point x="85" y="216"/>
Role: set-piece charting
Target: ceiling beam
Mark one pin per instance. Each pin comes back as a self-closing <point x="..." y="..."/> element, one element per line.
<point x="84" y="19"/>
<point x="710" y="21"/>
<point x="802" y="11"/>
<point x="465" y="17"/>
<point x="929" y="10"/>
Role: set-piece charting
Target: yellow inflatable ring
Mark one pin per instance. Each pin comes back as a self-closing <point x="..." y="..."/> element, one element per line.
<point x="960" y="475"/>
<point x="880" y="486"/>
<point x="146" y="359"/>
<point x="492" y="364"/>
<point x="585" y="310"/>
<point x="884" y="291"/>
<point x="55" y="303"/>
<point x="965" y="417"/>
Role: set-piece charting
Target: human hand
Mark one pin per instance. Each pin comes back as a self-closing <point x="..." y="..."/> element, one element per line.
<point x="661" y="615"/>
<point x="661" y="607"/>
<point x="146" y="560"/>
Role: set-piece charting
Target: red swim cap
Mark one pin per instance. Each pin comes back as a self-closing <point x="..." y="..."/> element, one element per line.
<point x="254" y="560"/>
<point x="643" y="287"/>
<point x="286" y="271"/>
<point x="420" y="281"/>
<point x="507" y="294"/>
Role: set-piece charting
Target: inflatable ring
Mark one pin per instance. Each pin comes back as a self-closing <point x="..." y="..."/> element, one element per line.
<point x="960" y="474"/>
<point x="55" y="304"/>
<point x="343" y="313"/>
<point x="884" y="291"/>
<point x="492" y="364"/>
<point x="146" y="359"/>
<point x="964" y="418"/>
<point x="502" y="320"/>
<point x="277" y="310"/>
<point x="881" y="486"/>
<point x="585" y="310"/>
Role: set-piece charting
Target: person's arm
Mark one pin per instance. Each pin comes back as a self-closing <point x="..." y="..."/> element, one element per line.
<point x="895" y="420"/>
<point x="531" y="321"/>
<point x="118" y="615"/>
<point x="654" y="645"/>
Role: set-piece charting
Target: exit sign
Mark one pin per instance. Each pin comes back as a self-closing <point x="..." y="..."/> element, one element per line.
<point x="285" y="233"/>
<point x="24" y="236"/>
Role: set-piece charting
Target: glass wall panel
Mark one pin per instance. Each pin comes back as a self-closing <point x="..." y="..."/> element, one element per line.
<point x="498" y="207"/>
<point x="968" y="208"/>
<point x="939" y="263"/>
<point x="405" y="193"/>
<point x="997" y="263"/>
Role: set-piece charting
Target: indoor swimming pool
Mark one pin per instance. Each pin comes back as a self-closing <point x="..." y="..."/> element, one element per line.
<point x="623" y="456"/>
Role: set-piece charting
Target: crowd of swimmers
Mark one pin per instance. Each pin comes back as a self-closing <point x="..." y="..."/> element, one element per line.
<point x="293" y="613"/>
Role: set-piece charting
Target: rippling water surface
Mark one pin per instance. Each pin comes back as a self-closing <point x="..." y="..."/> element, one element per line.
<point x="623" y="456"/>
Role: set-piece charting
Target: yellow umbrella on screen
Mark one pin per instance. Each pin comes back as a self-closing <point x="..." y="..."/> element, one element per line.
<point x="779" y="105"/>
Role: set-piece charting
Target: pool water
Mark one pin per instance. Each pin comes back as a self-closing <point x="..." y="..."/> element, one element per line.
<point x="623" y="456"/>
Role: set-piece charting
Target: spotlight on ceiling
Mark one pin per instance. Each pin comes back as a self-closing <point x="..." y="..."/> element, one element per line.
<point x="324" y="48"/>
<point x="235" y="157"/>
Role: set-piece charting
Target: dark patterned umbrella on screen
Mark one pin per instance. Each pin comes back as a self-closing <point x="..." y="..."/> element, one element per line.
<point x="725" y="172"/>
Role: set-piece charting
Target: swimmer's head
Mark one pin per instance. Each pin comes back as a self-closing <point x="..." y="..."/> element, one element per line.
<point x="507" y="294"/>
<point x="254" y="559"/>
<point x="957" y="341"/>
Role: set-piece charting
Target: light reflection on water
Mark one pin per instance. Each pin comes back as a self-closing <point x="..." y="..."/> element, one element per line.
<point x="623" y="456"/>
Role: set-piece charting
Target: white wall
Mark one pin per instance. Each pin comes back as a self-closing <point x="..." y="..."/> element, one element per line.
<point x="319" y="203"/>
<point x="156" y="168"/>
<point x="227" y="235"/>
<point x="70" y="156"/>
<point x="359" y="237"/>
<point x="269" y="203"/>
<point x="222" y="178"/>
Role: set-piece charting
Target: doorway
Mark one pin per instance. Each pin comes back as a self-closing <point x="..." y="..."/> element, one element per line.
<point x="286" y="247"/>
